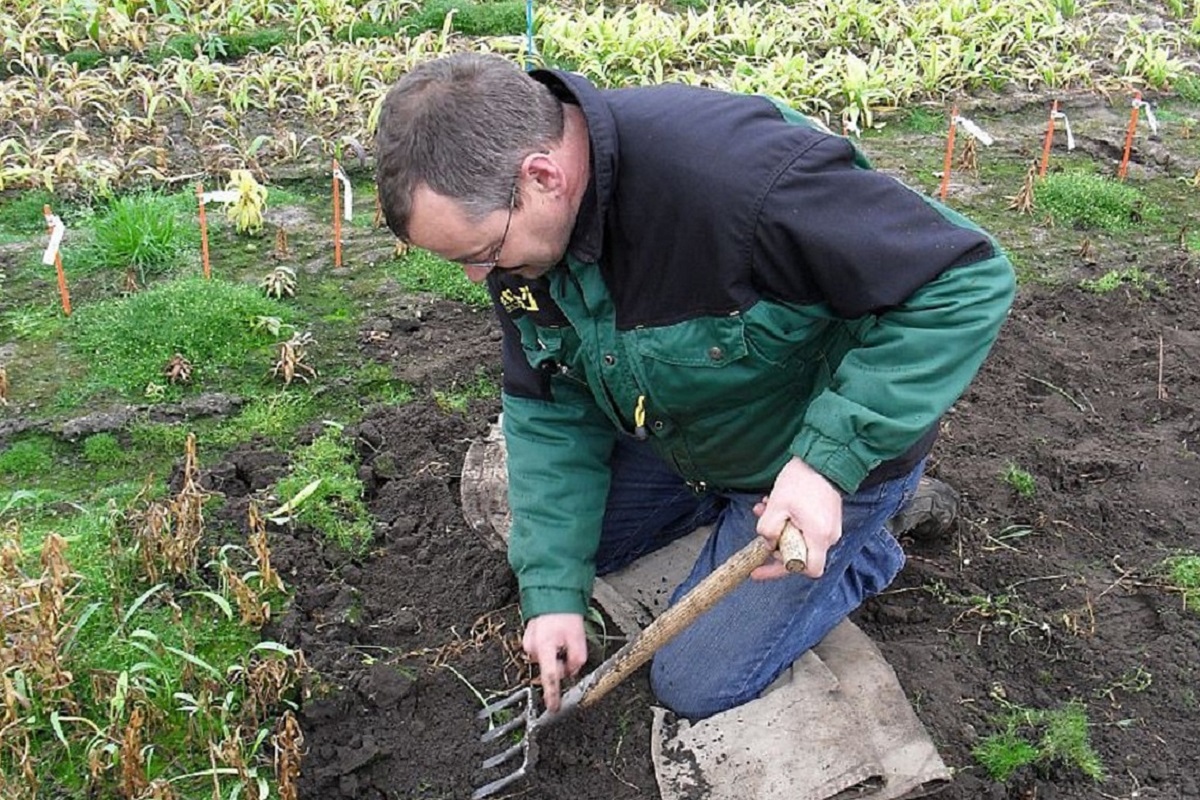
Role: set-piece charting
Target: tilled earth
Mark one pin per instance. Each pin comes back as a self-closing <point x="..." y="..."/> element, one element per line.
<point x="1031" y="601"/>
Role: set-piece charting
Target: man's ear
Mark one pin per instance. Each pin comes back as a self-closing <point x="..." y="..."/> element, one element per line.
<point x="544" y="173"/>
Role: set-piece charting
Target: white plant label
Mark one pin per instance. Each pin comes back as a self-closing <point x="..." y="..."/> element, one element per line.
<point x="1149" y="109"/>
<point x="975" y="131"/>
<point x="1067" y="125"/>
<point x="57" y="229"/>
<point x="223" y="196"/>
<point x="348" y="199"/>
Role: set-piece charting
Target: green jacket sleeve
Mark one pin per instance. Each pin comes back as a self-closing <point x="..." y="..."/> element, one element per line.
<point x="558" y="479"/>
<point x="913" y="362"/>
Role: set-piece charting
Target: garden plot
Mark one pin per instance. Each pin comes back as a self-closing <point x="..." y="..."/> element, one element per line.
<point x="1048" y="643"/>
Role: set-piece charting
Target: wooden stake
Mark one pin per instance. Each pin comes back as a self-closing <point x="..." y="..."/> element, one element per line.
<point x="1129" y="132"/>
<point x="1049" y="140"/>
<point x="203" y="232"/>
<point x="63" y="293"/>
<point x="946" y="162"/>
<point x="337" y="217"/>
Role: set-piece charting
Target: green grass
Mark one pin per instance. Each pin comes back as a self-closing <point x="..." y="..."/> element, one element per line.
<point x="274" y="416"/>
<point x="421" y="271"/>
<point x="28" y="458"/>
<point x="921" y="120"/>
<point x="334" y="506"/>
<point x="127" y="342"/>
<point x="103" y="450"/>
<point x="1091" y="202"/>
<point x="144" y="233"/>
<point x="21" y="215"/>
<point x="1040" y="737"/>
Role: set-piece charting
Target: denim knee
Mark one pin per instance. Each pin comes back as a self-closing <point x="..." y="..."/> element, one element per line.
<point x="685" y="687"/>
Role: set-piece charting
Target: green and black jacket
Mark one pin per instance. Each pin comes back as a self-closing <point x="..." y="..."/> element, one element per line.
<point x="740" y="287"/>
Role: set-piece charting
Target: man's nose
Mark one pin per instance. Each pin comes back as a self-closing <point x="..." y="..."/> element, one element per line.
<point x="477" y="274"/>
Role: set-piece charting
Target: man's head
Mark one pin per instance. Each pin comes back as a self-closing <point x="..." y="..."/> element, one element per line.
<point x="470" y="165"/>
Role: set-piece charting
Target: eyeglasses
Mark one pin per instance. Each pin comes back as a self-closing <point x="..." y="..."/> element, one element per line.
<point x="493" y="258"/>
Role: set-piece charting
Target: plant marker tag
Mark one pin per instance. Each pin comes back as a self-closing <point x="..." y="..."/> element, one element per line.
<point x="348" y="203"/>
<point x="57" y="229"/>
<point x="1067" y="126"/>
<point x="222" y="196"/>
<point x="1149" y="109"/>
<point x="974" y="130"/>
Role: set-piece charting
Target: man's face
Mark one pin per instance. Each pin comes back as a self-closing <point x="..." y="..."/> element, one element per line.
<point x="529" y="240"/>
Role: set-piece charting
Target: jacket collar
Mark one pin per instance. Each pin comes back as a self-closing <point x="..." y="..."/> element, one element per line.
<point x="587" y="238"/>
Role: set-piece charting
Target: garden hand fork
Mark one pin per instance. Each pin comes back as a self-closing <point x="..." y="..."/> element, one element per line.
<point x="636" y="652"/>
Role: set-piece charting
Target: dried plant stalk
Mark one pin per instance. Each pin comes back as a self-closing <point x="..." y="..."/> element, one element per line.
<point x="1022" y="201"/>
<point x="289" y="745"/>
<point x="262" y="551"/>
<point x="133" y="766"/>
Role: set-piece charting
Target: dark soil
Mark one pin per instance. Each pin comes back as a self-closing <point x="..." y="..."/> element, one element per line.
<point x="1033" y="601"/>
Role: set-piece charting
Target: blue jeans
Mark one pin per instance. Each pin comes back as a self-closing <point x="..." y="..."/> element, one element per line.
<point x="735" y="650"/>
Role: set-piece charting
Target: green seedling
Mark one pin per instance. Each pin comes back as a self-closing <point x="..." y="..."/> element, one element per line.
<point x="1021" y="481"/>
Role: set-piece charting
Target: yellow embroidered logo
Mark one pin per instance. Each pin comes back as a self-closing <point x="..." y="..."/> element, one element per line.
<point x="522" y="299"/>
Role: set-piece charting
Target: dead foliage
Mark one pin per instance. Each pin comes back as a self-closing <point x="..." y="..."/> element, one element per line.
<point x="167" y="533"/>
<point x="281" y="244"/>
<point x="968" y="159"/>
<point x="279" y="282"/>
<point x="133" y="765"/>
<point x="32" y="634"/>
<point x="268" y="680"/>
<point x="291" y="360"/>
<point x="178" y="369"/>
<point x="3" y="386"/>
<point x="262" y="551"/>
<point x="491" y="627"/>
<point x="289" y="751"/>
<point x="1022" y="201"/>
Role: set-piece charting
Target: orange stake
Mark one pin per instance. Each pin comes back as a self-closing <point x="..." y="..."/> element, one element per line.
<point x="1129" y="132"/>
<point x="337" y="217"/>
<point x="203" y="232"/>
<point x="949" y="153"/>
<point x="63" y="293"/>
<point x="1049" y="139"/>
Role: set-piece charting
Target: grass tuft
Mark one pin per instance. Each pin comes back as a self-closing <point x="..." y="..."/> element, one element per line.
<point x="1183" y="573"/>
<point x="143" y="234"/>
<point x="1061" y="737"/>
<point x="1086" y="201"/>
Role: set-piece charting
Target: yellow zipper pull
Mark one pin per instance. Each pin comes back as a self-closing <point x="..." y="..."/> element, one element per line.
<point x="639" y="418"/>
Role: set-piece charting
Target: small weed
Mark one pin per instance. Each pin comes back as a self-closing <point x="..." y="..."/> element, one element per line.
<point x="1086" y="201"/>
<point x="1183" y="574"/>
<point x="1061" y="737"/>
<point x="33" y="321"/>
<point x="27" y="458"/>
<point x="1114" y="279"/>
<point x="457" y="398"/>
<point x="275" y="416"/>
<point x="1022" y="482"/>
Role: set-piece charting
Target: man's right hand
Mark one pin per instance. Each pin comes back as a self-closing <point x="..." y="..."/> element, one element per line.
<point x="558" y="645"/>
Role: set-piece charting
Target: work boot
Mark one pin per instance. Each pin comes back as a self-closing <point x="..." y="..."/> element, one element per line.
<point x="930" y="514"/>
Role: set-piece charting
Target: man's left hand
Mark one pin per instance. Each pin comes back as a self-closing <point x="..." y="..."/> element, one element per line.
<point x="813" y="504"/>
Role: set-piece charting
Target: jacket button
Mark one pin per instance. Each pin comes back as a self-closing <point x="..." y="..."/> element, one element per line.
<point x="658" y="425"/>
<point x="610" y="359"/>
<point x="716" y="353"/>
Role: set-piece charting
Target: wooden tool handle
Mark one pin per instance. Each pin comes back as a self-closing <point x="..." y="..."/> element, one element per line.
<point x="671" y="622"/>
<point x="793" y="548"/>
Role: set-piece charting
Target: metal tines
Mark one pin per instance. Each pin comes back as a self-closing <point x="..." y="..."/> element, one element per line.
<point x="526" y="718"/>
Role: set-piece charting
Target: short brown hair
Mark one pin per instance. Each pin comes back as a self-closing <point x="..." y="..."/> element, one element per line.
<point x="461" y="125"/>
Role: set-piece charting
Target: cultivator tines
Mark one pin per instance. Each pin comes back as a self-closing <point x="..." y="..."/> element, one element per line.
<point x="522" y="704"/>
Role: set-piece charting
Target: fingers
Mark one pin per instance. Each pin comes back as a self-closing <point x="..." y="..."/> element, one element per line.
<point x="556" y="643"/>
